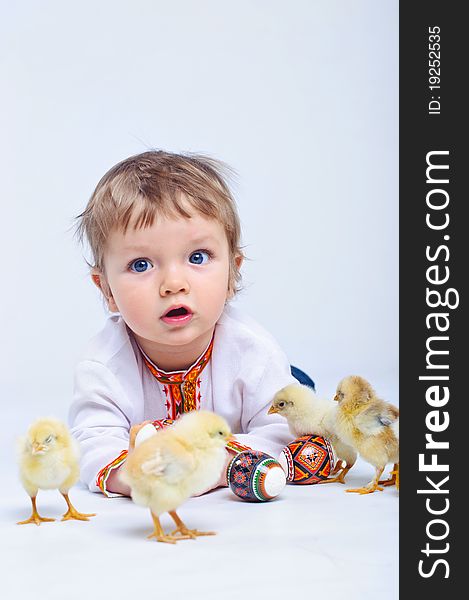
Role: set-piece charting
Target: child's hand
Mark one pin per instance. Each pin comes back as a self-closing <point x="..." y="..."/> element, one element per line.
<point x="113" y="483"/>
<point x="133" y="433"/>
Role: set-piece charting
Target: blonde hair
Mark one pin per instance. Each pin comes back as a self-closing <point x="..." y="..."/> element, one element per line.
<point x="134" y="192"/>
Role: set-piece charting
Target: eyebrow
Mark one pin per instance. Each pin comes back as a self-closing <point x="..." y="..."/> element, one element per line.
<point x="208" y="239"/>
<point x="193" y="242"/>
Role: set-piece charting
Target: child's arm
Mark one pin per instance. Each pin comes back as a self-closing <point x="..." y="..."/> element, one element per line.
<point x="100" y="418"/>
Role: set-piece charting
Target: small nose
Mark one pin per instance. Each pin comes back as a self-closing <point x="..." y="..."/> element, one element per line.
<point x="174" y="282"/>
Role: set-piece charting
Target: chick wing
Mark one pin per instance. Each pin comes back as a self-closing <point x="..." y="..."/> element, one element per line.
<point x="376" y="417"/>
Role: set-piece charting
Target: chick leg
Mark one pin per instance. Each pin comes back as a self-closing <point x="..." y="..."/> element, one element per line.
<point x="159" y="534"/>
<point x="35" y="517"/>
<point x="394" y="479"/>
<point x="372" y="486"/>
<point x="338" y="467"/>
<point x="72" y="512"/>
<point x="340" y="478"/>
<point x="184" y="531"/>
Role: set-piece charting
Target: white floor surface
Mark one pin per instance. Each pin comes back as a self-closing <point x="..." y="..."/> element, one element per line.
<point x="311" y="540"/>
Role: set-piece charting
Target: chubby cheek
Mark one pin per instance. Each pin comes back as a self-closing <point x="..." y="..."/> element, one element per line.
<point x="215" y="304"/>
<point x="212" y="306"/>
<point x="132" y="302"/>
<point x="213" y="292"/>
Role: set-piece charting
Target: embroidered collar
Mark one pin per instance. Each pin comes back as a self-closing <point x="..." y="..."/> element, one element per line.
<point x="181" y="388"/>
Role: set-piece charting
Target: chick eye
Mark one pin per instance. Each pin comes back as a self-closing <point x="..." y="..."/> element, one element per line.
<point x="281" y="404"/>
<point x="221" y="433"/>
<point x="48" y="439"/>
<point x="201" y="257"/>
<point x="140" y="265"/>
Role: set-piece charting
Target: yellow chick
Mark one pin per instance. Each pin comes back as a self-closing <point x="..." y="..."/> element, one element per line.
<point x="48" y="460"/>
<point x="307" y="414"/>
<point x="175" y="463"/>
<point x="370" y="425"/>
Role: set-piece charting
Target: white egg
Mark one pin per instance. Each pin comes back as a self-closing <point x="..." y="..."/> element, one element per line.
<point x="147" y="431"/>
<point x="275" y="481"/>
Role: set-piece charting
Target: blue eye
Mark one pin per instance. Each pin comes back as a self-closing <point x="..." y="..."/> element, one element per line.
<point x="140" y="265"/>
<point x="199" y="258"/>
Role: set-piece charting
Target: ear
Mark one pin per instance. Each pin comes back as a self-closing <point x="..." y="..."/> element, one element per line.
<point x="238" y="262"/>
<point x="100" y="282"/>
<point x="96" y="278"/>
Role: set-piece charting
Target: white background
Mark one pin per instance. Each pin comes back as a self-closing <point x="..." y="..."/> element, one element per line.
<point x="299" y="98"/>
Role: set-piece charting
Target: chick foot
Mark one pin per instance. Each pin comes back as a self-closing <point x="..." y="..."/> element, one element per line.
<point x="182" y="532"/>
<point x="340" y="477"/>
<point x="394" y="479"/>
<point x="35" y="517"/>
<point x="338" y="467"/>
<point x="368" y="489"/>
<point x="160" y="535"/>
<point x="372" y="486"/>
<point x="72" y="512"/>
<point x="167" y="539"/>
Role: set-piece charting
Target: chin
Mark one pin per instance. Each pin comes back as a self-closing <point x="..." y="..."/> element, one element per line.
<point x="186" y="336"/>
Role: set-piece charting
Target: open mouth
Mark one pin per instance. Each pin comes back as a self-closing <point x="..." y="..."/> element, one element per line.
<point x="178" y="316"/>
<point x="177" y="312"/>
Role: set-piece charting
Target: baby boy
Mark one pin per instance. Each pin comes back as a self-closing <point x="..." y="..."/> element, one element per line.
<point x="165" y="240"/>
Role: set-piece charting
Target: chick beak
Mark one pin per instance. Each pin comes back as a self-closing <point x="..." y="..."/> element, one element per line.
<point x="336" y="398"/>
<point x="273" y="409"/>
<point x="37" y="448"/>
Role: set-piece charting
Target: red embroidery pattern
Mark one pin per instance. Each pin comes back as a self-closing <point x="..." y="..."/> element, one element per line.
<point x="102" y="476"/>
<point x="236" y="447"/>
<point x="181" y="388"/>
<point x="182" y="391"/>
<point x="162" y="423"/>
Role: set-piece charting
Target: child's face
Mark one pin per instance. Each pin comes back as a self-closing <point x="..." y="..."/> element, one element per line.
<point x="176" y="262"/>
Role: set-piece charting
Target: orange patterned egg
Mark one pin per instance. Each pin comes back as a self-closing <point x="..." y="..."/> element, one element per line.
<point x="308" y="459"/>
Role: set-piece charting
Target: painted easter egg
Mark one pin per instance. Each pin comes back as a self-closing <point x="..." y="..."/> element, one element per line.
<point x="255" y="476"/>
<point x="308" y="459"/>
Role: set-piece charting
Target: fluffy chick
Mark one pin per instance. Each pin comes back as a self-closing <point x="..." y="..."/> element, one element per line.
<point x="370" y="425"/>
<point x="174" y="464"/>
<point x="48" y="460"/>
<point x="307" y="414"/>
